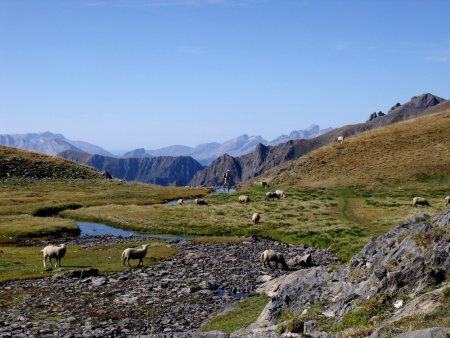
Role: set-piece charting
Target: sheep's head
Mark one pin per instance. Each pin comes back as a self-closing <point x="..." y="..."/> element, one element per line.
<point x="145" y="246"/>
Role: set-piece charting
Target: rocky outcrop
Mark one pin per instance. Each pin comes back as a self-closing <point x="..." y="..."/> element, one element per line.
<point x="407" y="260"/>
<point x="264" y="158"/>
<point x="163" y="170"/>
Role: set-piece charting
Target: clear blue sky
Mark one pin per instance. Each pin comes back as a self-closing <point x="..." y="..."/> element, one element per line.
<point x="124" y="74"/>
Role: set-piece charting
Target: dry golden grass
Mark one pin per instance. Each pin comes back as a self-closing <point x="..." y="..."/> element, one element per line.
<point x="412" y="151"/>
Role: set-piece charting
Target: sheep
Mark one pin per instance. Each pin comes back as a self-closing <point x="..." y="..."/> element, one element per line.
<point x="180" y="201"/>
<point x="420" y="201"/>
<point x="270" y="195"/>
<point x="54" y="251"/>
<point x="133" y="253"/>
<point x="255" y="218"/>
<point x="340" y="139"/>
<point x="447" y="200"/>
<point x="244" y="199"/>
<point x="273" y="256"/>
<point x="264" y="184"/>
<point x="280" y="194"/>
<point x="200" y="201"/>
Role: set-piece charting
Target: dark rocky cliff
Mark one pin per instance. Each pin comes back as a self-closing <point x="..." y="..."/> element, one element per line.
<point x="162" y="170"/>
<point x="267" y="157"/>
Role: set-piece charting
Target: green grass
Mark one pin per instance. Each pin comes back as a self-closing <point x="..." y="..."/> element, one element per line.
<point x="239" y="317"/>
<point x="22" y="202"/>
<point x="20" y="262"/>
<point x="339" y="219"/>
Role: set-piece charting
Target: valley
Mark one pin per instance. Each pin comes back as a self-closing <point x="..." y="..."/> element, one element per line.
<point x="340" y="199"/>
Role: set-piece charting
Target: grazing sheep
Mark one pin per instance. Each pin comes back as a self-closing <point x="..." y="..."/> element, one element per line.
<point x="244" y="199"/>
<point x="273" y="256"/>
<point x="280" y="194"/>
<point x="340" y="139"/>
<point x="180" y="201"/>
<point x="264" y="184"/>
<point x="270" y="195"/>
<point x="200" y="201"/>
<point x="255" y="218"/>
<point x="54" y="251"/>
<point x="420" y="201"/>
<point x="133" y="253"/>
<point x="447" y="200"/>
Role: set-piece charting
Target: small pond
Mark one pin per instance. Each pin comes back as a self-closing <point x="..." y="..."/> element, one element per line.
<point x="100" y="229"/>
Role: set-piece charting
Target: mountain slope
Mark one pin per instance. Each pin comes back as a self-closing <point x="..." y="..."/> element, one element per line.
<point x="49" y="143"/>
<point x="162" y="170"/>
<point x="24" y="164"/>
<point x="414" y="150"/>
<point x="265" y="158"/>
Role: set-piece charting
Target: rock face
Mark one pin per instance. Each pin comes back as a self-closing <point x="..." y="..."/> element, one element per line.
<point x="163" y="170"/>
<point x="177" y="295"/>
<point x="264" y="157"/>
<point x="406" y="260"/>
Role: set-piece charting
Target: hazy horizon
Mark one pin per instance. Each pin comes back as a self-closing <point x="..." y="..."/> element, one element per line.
<point x="127" y="74"/>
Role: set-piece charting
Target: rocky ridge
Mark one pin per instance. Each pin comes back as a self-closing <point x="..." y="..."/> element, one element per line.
<point x="162" y="170"/>
<point x="406" y="261"/>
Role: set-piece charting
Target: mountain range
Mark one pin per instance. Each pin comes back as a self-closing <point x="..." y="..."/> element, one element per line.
<point x="264" y="157"/>
<point x="161" y="170"/>
<point x="208" y="152"/>
<point x="49" y="143"/>
<point x="259" y="156"/>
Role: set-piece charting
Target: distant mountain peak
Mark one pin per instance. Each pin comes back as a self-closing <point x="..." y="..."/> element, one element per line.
<point x="49" y="143"/>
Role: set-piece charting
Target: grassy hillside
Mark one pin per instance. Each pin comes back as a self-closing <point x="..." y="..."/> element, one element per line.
<point x="413" y="153"/>
<point x="25" y="164"/>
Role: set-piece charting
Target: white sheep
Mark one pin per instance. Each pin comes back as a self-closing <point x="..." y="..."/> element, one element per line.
<point x="244" y="199"/>
<point x="255" y="218"/>
<point x="420" y="201"/>
<point x="272" y="256"/>
<point x="270" y="195"/>
<point x="340" y="139"/>
<point x="200" y="201"/>
<point x="447" y="200"/>
<point x="280" y="194"/>
<point x="54" y="251"/>
<point x="134" y="253"/>
<point x="180" y="201"/>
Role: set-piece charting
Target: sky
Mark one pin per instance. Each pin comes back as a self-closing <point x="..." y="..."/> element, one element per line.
<point x="126" y="74"/>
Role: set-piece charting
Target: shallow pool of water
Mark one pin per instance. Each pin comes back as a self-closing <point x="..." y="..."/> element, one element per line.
<point x="100" y="229"/>
<point x="237" y="295"/>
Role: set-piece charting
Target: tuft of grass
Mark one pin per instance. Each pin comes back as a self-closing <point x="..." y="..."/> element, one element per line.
<point x="239" y="317"/>
<point x="27" y="262"/>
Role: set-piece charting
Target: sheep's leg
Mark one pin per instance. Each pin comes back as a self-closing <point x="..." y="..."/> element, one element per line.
<point x="45" y="266"/>
<point x="50" y="260"/>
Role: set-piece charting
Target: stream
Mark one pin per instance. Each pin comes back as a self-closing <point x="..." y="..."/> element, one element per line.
<point x="100" y="229"/>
